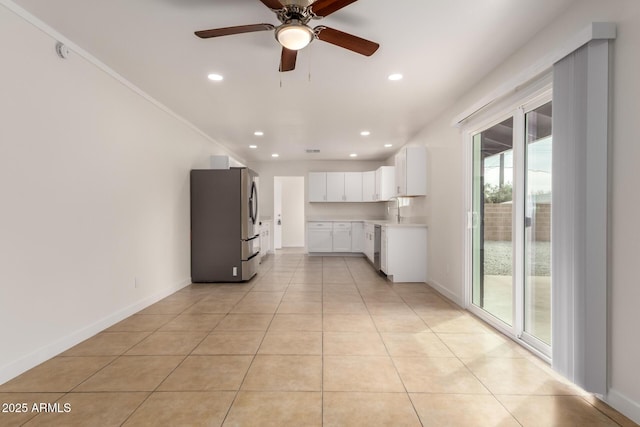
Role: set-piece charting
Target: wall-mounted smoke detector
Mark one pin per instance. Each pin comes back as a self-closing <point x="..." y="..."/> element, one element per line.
<point x="62" y="50"/>
<point x="312" y="151"/>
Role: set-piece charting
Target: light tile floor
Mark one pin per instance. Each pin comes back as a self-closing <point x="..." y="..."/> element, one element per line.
<point x="310" y="341"/>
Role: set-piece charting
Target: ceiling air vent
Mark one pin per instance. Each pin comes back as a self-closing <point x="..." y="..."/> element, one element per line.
<point x="312" y="150"/>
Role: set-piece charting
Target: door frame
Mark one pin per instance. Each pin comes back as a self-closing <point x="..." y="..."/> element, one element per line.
<point x="515" y="106"/>
<point x="278" y="197"/>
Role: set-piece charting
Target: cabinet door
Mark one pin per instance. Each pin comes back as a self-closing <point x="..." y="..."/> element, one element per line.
<point x="357" y="237"/>
<point x="385" y="183"/>
<point x="267" y="239"/>
<point x="341" y="237"/>
<point x="416" y="171"/>
<point x="384" y="255"/>
<point x="404" y="253"/>
<point x="369" y="186"/>
<point x="335" y="187"/>
<point x="317" y="186"/>
<point x="353" y="186"/>
<point x="401" y="176"/>
<point x="369" y="241"/>
<point x="319" y="237"/>
<point x="411" y="171"/>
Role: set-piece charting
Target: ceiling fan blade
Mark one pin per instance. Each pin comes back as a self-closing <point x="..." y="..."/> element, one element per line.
<point x="347" y="41"/>
<point x="288" y="59"/>
<point x="327" y="7"/>
<point x="272" y="4"/>
<point x="227" y="31"/>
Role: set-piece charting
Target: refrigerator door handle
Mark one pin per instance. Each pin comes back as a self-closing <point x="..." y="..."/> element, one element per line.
<point x="253" y="203"/>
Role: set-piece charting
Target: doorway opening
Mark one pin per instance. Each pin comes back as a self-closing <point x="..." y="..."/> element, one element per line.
<point x="288" y="212"/>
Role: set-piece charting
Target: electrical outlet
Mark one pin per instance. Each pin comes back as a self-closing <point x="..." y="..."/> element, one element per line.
<point x="135" y="282"/>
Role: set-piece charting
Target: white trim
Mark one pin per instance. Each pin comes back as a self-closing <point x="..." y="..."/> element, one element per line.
<point x="13" y="369"/>
<point x="623" y="404"/>
<point x="517" y="219"/>
<point x="502" y="109"/>
<point x="74" y="48"/>
<point x="594" y="31"/>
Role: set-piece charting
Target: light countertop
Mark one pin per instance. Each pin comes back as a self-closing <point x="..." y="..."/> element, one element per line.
<point x="382" y="222"/>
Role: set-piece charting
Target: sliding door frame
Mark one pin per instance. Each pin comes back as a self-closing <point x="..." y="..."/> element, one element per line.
<point x="527" y="99"/>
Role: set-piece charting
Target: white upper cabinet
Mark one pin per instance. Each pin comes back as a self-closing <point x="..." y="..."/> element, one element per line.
<point x="369" y="186"/>
<point x="372" y="186"/>
<point x="353" y="186"/>
<point x="385" y="183"/>
<point x="344" y="187"/>
<point x="411" y="172"/>
<point x="335" y="187"/>
<point x="317" y="186"/>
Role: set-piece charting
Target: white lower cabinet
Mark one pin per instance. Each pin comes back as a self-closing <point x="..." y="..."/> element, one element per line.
<point x="403" y="248"/>
<point x="404" y="253"/>
<point x="369" y="241"/>
<point x="265" y="238"/>
<point x="357" y="237"/>
<point x="384" y="251"/>
<point x="341" y="237"/>
<point x="320" y="236"/>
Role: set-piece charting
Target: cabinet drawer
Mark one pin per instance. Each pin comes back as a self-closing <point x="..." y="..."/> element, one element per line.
<point x="342" y="226"/>
<point x="320" y="225"/>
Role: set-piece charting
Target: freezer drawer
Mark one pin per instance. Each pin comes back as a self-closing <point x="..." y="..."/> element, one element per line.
<point x="250" y="267"/>
<point x="250" y="247"/>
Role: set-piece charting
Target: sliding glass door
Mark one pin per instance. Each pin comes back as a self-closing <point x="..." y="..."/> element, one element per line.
<point x="537" y="224"/>
<point x="493" y="211"/>
<point x="510" y="224"/>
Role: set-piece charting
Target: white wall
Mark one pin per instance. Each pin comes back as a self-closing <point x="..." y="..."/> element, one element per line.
<point x="444" y="205"/>
<point x="268" y="170"/>
<point x="293" y="218"/>
<point x="94" y="183"/>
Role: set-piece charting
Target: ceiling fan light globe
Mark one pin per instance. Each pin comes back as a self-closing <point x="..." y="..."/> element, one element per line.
<point x="294" y="36"/>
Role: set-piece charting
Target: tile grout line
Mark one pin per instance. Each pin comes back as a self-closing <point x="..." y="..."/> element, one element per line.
<point x="255" y="355"/>
<point x="174" y="369"/>
<point x="406" y="392"/>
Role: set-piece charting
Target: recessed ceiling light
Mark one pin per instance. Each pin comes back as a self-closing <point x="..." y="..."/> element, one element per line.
<point x="353" y="155"/>
<point x="215" y="77"/>
<point x="395" y="77"/>
<point x="258" y="133"/>
<point x="365" y="133"/>
<point x="275" y="155"/>
<point x="388" y="145"/>
<point x="253" y="146"/>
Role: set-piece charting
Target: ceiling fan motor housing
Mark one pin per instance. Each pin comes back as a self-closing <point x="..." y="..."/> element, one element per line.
<point x="294" y="35"/>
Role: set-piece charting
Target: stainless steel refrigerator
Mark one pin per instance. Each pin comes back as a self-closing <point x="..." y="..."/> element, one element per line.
<point x="224" y="225"/>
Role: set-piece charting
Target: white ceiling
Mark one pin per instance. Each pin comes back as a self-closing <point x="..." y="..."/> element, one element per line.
<point x="441" y="47"/>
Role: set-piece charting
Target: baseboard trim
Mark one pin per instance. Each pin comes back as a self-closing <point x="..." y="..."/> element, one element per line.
<point x="13" y="369"/>
<point x="445" y="292"/>
<point x="623" y="404"/>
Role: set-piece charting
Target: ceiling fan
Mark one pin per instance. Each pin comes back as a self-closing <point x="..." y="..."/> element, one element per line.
<point x="294" y="34"/>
